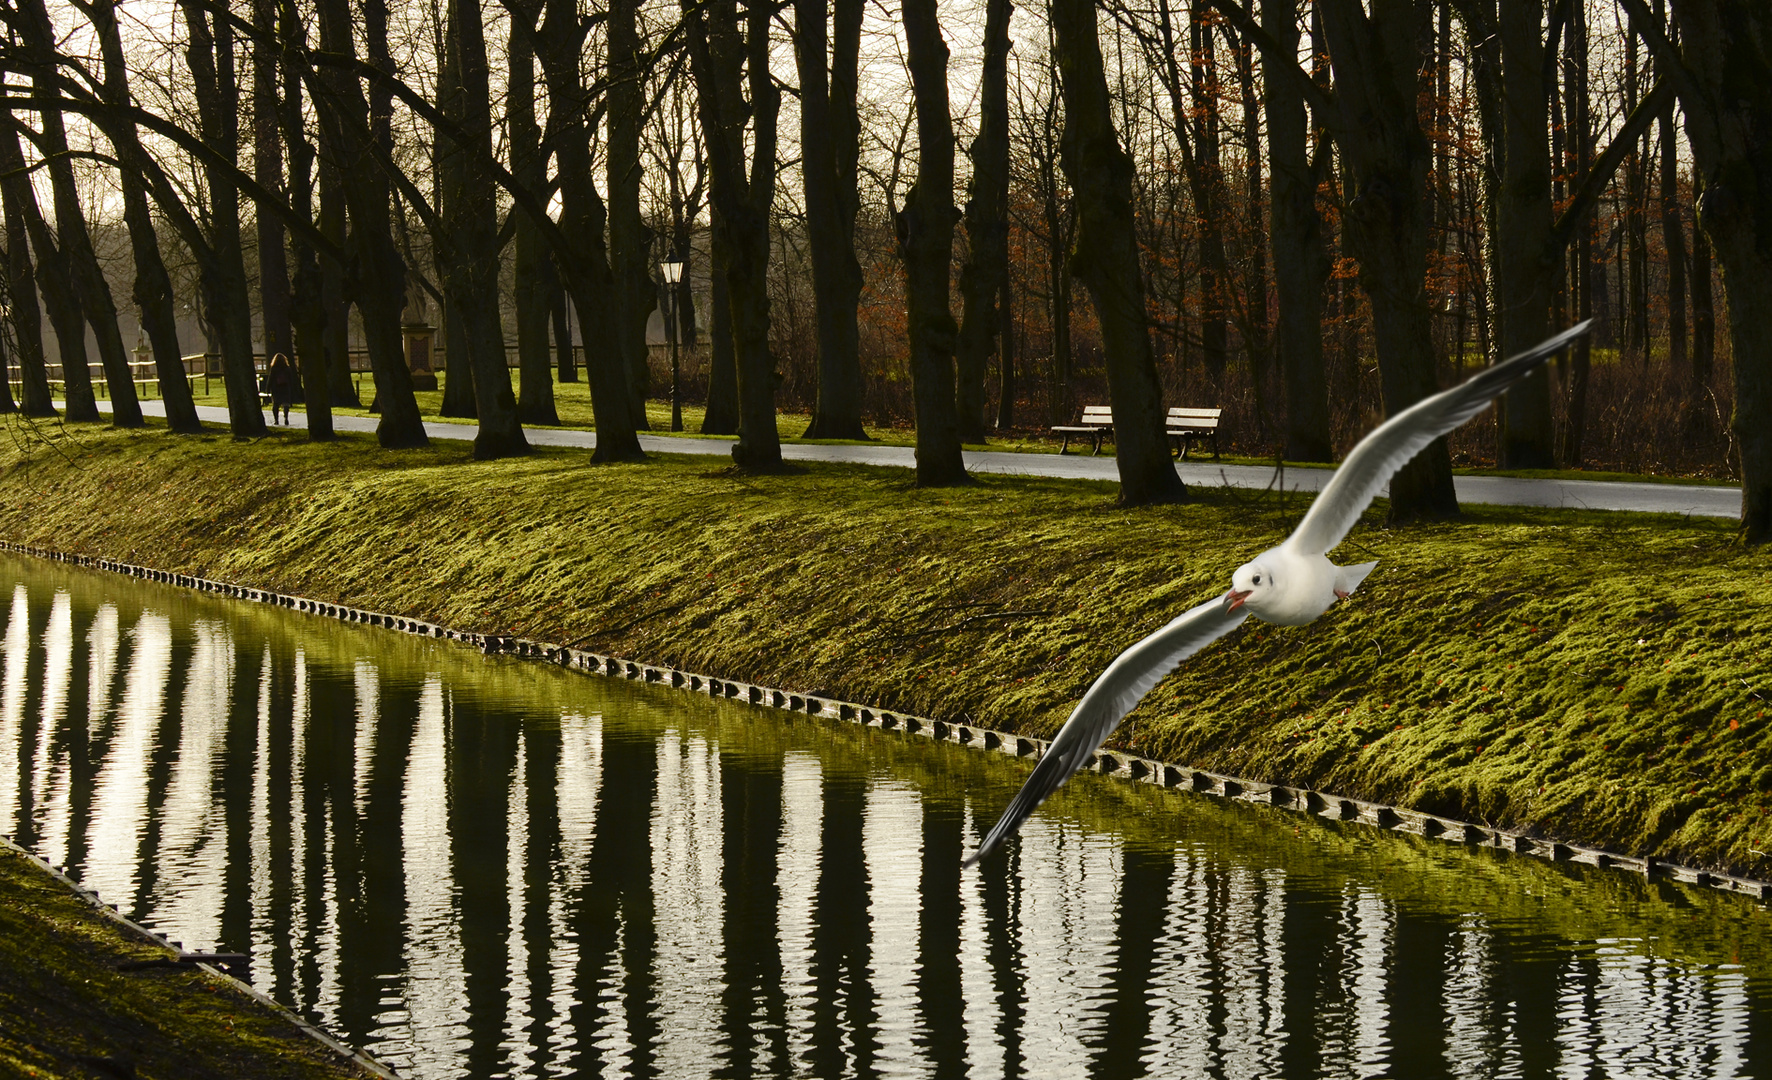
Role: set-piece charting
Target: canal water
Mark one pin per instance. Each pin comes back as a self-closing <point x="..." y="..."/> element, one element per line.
<point x="480" y="867"/>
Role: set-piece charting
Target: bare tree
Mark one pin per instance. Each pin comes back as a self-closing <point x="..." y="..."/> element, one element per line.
<point x="356" y="130"/>
<point x="468" y="230"/>
<point x="984" y="279"/>
<point x="267" y="169"/>
<point x="535" y="283"/>
<point x="22" y="312"/>
<point x="1038" y="116"/>
<point x="220" y="254"/>
<point x="582" y="254"/>
<point x="53" y="279"/>
<point x="1725" y="89"/>
<point x="926" y="244"/>
<point x="728" y="61"/>
<point x="830" y="134"/>
<point x="630" y="241"/>
<point x="153" y="292"/>
<point x="1106" y="258"/>
<point x="308" y="314"/>
<point x="1673" y="238"/>
<point x="1301" y="256"/>
<point x="86" y="279"/>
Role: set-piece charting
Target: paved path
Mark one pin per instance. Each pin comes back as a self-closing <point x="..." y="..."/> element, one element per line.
<point x="1723" y="502"/>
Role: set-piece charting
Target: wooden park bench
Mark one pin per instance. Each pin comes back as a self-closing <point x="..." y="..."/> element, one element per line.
<point x="1097" y="423"/>
<point x="1188" y="426"/>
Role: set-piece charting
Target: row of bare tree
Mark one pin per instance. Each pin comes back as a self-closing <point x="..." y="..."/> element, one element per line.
<point x="1203" y="171"/>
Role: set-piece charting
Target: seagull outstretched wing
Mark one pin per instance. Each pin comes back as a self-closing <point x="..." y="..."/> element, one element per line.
<point x="1113" y="695"/>
<point x="1371" y="464"/>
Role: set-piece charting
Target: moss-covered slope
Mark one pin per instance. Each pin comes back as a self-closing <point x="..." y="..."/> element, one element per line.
<point x="80" y="998"/>
<point x="1598" y="677"/>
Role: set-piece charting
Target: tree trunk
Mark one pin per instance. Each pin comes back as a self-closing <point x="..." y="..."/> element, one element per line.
<point x="1301" y="256"/>
<point x="52" y="278"/>
<point x="226" y="306"/>
<point x="1106" y="258"/>
<point x="1673" y="242"/>
<point x="1704" y="316"/>
<point x="459" y="399"/>
<point x="721" y="416"/>
<point x="717" y="52"/>
<point x="1725" y="89"/>
<point x="1042" y="126"/>
<point x="926" y="244"/>
<point x="830" y="132"/>
<point x="1205" y="180"/>
<point x="585" y="262"/>
<point x="21" y="305"/>
<point x="1006" y="390"/>
<point x="567" y="364"/>
<point x="1526" y="264"/>
<point x="535" y="284"/>
<point x="629" y="239"/>
<point x="358" y="137"/>
<point x="307" y="312"/>
<point x="1633" y="252"/>
<point x="267" y="170"/>
<point x="469" y="216"/>
<point x="152" y="292"/>
<point x="1255" y="285"/>
<point x="90" y="290"/>
<point x="1583" y="280"/>
<point x="1378" y="64"/>
<point x="335" y="306"/>
<point x="984" y="279"/>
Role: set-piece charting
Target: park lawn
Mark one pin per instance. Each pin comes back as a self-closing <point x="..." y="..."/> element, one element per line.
<point x="1596" y="677"/>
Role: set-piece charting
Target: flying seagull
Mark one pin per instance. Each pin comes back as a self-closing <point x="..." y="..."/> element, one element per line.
<point x="1289" y="585"/>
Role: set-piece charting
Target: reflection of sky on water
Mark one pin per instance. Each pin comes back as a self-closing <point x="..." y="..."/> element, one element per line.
<point x="12" y="704"/>
<point x="120" y="792"/>
<point x="892" y="846"/>
<point x="802" y="809"/>
<point x="477" y="871"/>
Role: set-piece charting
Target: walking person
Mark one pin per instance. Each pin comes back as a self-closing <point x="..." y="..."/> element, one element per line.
<point x="280" y="381"/>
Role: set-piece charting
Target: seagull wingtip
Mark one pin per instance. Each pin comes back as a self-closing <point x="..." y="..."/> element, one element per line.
<point x="990" y="844"/>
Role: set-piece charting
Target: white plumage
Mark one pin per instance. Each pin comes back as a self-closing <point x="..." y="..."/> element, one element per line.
<point x="1289" y="585"/>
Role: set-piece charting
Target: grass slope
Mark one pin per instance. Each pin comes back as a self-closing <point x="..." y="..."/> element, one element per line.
<point x="73" y="1009"/>
<point x="1597" y="677"/>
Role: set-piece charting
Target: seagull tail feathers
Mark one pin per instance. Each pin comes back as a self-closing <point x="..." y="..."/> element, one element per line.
<point x="1348" y="578"/>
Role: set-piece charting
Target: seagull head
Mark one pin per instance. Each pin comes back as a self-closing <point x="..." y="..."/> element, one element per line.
<point x="1249" y="585"/>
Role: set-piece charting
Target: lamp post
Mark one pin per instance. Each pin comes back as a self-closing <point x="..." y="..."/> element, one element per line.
<point x="672" y="272"/>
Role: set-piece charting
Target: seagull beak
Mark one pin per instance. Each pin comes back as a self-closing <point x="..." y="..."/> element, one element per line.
<point x="1234" y="599"/>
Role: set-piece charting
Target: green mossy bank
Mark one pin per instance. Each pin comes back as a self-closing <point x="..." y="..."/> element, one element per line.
<point x="1600" y="678"/>
<point x="80" y="998"/>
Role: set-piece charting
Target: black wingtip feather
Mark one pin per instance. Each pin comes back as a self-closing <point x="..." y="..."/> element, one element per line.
<point x="1048" y="776"/>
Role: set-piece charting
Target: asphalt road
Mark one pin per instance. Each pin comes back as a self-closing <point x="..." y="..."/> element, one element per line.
<point x="1721" y="502"/>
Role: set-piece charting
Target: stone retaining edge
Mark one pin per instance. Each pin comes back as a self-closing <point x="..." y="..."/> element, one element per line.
<point x="1115" y="763"/>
